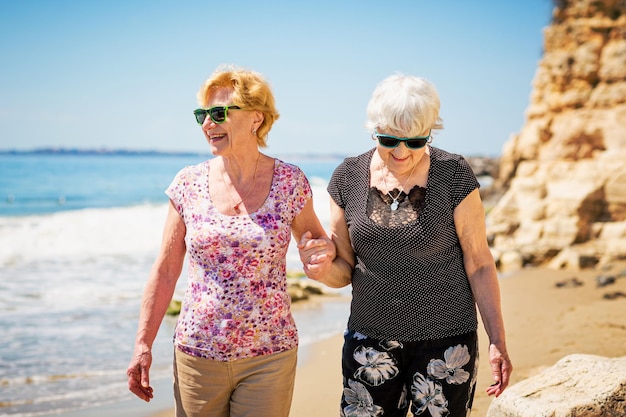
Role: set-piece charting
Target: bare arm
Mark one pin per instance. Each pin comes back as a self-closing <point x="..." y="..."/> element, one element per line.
<point x="342" y="273"/>
<point x="156" y="298"/>
<point x="469" y="218"/>
<point x="323" y="259"/>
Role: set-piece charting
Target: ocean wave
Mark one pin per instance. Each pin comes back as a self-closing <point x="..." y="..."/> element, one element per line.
<point x="104" y="232"/>
<point x="45" y="379"/>
<point x="81" y="234"/>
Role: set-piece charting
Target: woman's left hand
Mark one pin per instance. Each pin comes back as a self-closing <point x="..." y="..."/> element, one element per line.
<point x="501" y="369"/>
<point x="317" y="255"/>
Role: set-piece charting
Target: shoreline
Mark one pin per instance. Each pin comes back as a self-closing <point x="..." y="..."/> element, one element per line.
<point x="548" y="315"/>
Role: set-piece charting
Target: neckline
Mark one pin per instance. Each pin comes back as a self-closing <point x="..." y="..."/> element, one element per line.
<point x="214" y="208"/>
<point x="370" y="155"/>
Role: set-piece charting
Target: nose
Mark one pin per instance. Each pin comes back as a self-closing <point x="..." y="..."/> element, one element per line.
<point x="401" y="151"/>
<point x="208" y="123"/>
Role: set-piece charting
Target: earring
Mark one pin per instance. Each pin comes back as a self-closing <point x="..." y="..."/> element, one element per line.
<point x="254" y="132"/>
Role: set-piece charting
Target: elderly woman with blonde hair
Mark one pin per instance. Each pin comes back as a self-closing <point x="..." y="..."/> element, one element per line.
<point x="235" y="342"/>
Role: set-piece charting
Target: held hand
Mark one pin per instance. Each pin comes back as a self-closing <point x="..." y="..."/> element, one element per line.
<point x="138" y="374"/>
<point x="501" y="369"/>
<point x="317" y="255"/>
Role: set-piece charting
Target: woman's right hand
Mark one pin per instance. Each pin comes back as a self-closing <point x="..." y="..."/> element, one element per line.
<point x="139" y="374"/>
<point x="317" y="255"/>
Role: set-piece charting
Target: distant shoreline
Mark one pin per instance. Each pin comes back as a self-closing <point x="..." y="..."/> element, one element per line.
<point x="483" y="165"/>
<point x="137" y="152"/>
<point x="153" y="152"/>
<point x="76" y="151"/>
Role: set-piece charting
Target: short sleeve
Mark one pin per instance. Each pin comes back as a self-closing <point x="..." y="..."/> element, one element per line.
<point x="335" y="185"/>
<point x="464" y="181"/>
<point x="176" y="190"/>
<point x="187" y="185"/>
<point x="303" y="192"/>
<point x="292" y="191"/>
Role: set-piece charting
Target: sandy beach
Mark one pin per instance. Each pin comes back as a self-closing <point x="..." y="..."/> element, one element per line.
<point x="548" y="314"/>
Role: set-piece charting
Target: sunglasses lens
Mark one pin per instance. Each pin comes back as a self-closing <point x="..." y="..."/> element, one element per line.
<point x="200" y="115"/>
<point x="218" y="114"/>
<point x="416" y="143"/>
<point x="387" y="141"/>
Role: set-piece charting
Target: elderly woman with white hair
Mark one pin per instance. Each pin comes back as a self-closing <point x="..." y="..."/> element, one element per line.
<point x="409" y="226"/>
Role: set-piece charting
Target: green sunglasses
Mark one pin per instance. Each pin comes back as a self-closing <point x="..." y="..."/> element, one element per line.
<point x="217" y="114"/>
<point x="390" y="141"/>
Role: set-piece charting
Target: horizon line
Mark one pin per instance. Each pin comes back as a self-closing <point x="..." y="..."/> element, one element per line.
<point x="53" y="150"/>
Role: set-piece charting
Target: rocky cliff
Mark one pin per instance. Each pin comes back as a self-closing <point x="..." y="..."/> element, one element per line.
<point x="565" y="171"/>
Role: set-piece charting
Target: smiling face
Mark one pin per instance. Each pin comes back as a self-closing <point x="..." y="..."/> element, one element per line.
<point x="403" y="106"/>
<point x="400" y="159"/>
<point x="235" y="133"/>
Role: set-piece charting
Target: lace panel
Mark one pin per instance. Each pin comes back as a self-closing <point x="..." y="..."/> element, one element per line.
<point x="409" y="209"/>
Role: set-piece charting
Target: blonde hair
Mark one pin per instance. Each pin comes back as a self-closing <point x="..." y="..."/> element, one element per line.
<point x="405" y="104"/>
<point x="250" y="92"/>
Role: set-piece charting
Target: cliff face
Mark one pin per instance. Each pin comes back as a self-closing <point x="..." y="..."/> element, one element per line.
<point x="565" y="172"/>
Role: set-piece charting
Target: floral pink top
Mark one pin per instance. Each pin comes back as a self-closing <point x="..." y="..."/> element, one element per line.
<point x="236" y="303"/>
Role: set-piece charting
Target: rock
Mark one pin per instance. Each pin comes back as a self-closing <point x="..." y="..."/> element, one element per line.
<point x="576" y="386"/>
<point x="301" y="288"/>
<point x="564" y="174"/>
<point x="297" y="293"/>
<point x="604" y="280"/>
<point x="510" y="261"/>
<point x="174" y="308"/>
<point x="569" y="283"/>
<point x="574" y="259"/>
<point x="614" y="295"/>
<point x="566" y="259"/>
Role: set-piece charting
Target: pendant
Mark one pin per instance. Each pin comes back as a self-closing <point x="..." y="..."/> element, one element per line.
<point x="394" y="206"/>
<point x="236" y="208"/>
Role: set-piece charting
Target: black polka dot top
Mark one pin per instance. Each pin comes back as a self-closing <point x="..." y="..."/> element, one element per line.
<point x="409" y="282"/>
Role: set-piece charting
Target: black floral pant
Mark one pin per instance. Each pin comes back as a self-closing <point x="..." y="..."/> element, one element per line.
<point x="436" y="378"/>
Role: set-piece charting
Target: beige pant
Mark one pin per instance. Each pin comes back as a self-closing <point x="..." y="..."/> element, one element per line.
<point x="259" y="387"/>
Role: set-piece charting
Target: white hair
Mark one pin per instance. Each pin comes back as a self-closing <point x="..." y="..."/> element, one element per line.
<point x="404" y="104"/>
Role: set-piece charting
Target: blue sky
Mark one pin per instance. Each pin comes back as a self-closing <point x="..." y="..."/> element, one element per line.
<point x="124" y="74"/>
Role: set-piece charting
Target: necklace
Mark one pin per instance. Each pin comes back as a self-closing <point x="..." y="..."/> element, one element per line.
<point x="394" y="205"/>
<point x="236" y="205"/>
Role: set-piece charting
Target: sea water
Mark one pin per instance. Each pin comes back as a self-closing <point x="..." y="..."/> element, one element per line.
<point x="78" y="235"/>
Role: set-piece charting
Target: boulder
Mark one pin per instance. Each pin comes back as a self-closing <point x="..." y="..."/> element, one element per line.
<point x="576" y="386"/>
<point x="510" y="261"/>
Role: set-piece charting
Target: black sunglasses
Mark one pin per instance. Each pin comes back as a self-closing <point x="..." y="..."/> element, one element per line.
<point x="390" y="141"/>
<point x="217" y="114"/>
